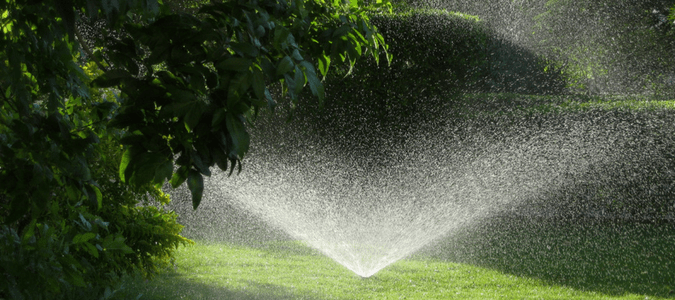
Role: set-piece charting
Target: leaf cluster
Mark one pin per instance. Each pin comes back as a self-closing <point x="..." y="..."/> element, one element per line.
<point x="205" y="78"/>
<point x="62" y="229"/>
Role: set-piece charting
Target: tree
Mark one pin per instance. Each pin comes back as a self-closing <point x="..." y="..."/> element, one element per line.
<point x="194" y="95"/>
<point x="163" y="94"/>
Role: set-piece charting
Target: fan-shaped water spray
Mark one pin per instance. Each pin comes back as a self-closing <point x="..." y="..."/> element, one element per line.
<point x="368" y="210"/>
<point x="368" y="184"/>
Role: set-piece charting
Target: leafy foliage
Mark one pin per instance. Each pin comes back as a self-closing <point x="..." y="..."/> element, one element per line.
<point x="195" y="96"/>
<point x="88" y="135"/>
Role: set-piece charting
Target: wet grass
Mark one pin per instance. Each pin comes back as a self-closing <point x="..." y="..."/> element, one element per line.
<point x="609" y="257"/>
<point x="474" y="104"/>
<point x="523" y="260"/>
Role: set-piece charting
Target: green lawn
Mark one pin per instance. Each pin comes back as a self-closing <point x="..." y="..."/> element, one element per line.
<point x="471" y="104"/>
<point x="633" y="262"/>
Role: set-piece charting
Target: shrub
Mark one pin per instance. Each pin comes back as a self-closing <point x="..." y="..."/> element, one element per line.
<point x="76" y="248"/>
<point x="436" y="52"/>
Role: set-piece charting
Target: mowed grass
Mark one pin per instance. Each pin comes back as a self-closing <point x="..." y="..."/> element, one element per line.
<point x="500" y="103"/>
<point x="290" y="270"/>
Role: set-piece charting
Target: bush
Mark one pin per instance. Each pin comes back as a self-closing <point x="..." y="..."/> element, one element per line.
<point x="433" y="51"/>
<point x="75" y="247"/>
<point x="436" y="52"/>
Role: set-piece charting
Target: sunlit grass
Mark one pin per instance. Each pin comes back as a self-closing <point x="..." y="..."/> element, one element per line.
<point x="288" y="270"/>
<point x="507" y="103"/>
<point x="632" y="104"/>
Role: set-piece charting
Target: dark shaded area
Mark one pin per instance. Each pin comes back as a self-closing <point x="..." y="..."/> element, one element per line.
<point x="512" y="68"/>
<point x="436" y="54"/>
<point x="606" y="256"/>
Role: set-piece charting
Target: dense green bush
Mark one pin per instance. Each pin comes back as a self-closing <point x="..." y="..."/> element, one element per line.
<point x="433" y="51"/>
<point x="626" y="52"/>
<point x="75" y="247"/>
<point x="79" y="250"/>
<point x="437" y="52"/>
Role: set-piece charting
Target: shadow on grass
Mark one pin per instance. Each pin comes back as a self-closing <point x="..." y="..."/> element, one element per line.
<point x="609" y="257"/>
<point x="173" y="285"/>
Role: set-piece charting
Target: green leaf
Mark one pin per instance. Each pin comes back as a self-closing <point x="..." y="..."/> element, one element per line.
<point x="179" y="177"/>
<point x="240" y="138"/>
<point x="242" y="82"/>
<point x="124" y="165"/>
<point x="218" y="117"/>
<point x="79" y="168"/>
<point x="296" y="55"/>
<point x="74" y="276"/>
<point x="238" y="64"/>
<point x="153" y="6"/>
<point x="220" y="159"/>
<point x="280" y="34"/>
<point x="72" y="193"/>
<point x="91" y="249"/>
<point x="160" y="53"/>
<point x="233" y="162"/>
<point x="316" y="87"/>
<point x="270" y="101"/>
<point x="286" y="64"/>
<point x="344" y="29"/>
<point x="259" y="84"/>
<point x="81" y="238"/>
<point x="30" y="231"/>
<point x="145" y="167"/>
<point x="163" y="172"/>
<point x="324" y="64"/>
<point x="299" y="80"/>
<point x="245" y="49"/>
<point x="199" y="162"/>
<point x="95" y="196"/>
<point x="192" y="117"/>
<point x="84" y="223"/>
<point x="196" y="187"/>
<point x="116" y="244"/>
<point x="133" y="138"/>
